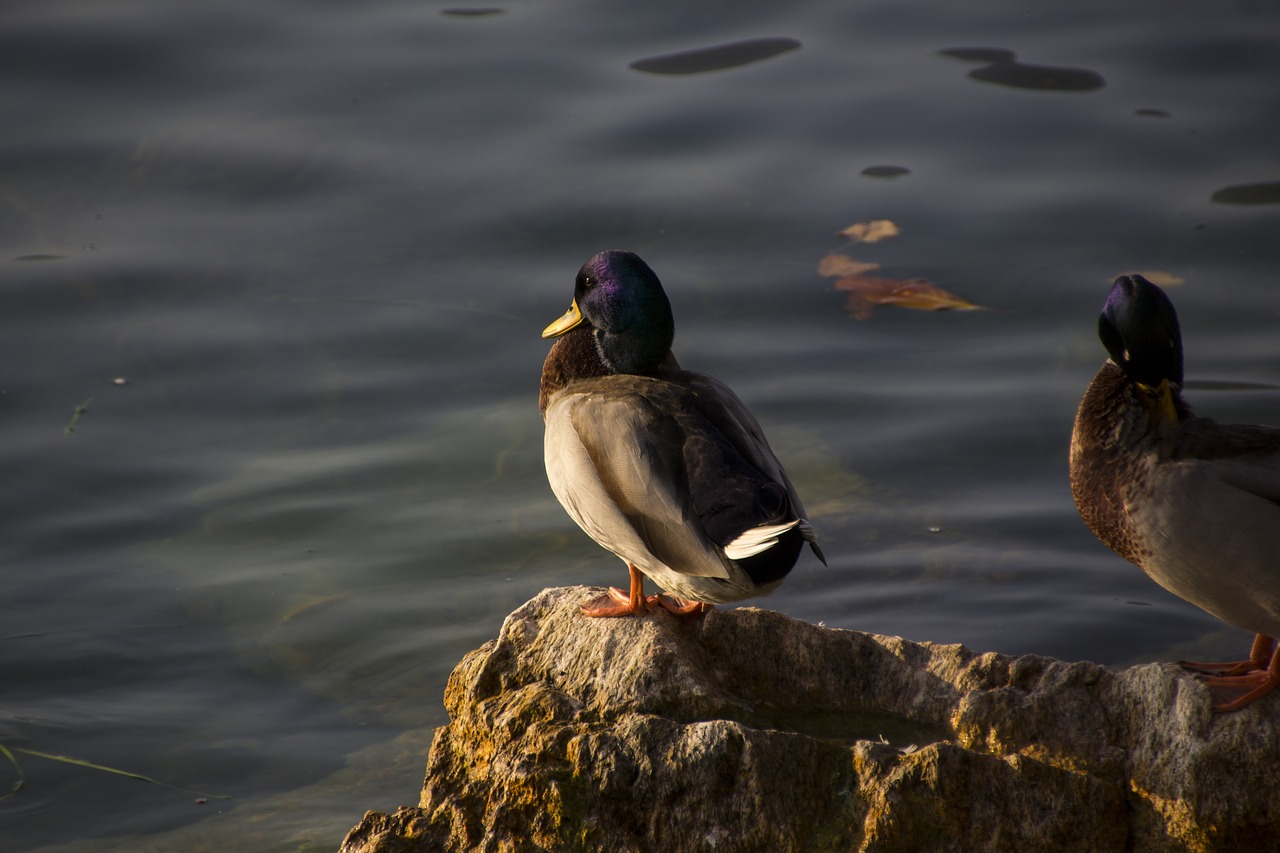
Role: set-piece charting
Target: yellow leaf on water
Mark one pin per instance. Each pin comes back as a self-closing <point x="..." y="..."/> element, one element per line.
<point x="918" y="294"/>
<point x="310" y="605"/>
<point x="871" y="232"/>
<point x="1161" y="277"/>
<point x="835" y="265"/>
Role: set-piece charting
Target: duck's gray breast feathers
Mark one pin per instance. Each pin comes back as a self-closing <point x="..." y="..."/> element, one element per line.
<point x="615" y="461"/>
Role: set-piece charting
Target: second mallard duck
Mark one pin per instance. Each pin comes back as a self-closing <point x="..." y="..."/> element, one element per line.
<point x="1194" y="503"/>
<point x="663" y="467"/>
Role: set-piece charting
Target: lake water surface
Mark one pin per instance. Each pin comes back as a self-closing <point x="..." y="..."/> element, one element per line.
<point x="274" y="275"/>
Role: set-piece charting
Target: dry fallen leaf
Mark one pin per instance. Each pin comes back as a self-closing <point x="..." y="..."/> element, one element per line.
<point x="866" y="292"/>
<point x="835" y="265"/>
<point x="871" y="232"/>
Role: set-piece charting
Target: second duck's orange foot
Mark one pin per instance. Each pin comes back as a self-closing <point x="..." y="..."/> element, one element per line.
<point x="1255" y="684"/>
<point x="1259" y="657"/>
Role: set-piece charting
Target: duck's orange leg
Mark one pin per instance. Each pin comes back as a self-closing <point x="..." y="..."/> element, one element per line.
<point x="636" y="603"/>
<point x="624" y="604"/>
<point x="1259" y="657"/>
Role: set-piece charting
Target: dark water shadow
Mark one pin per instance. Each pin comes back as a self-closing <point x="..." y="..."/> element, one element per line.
<point x="885" y="171"/>
<point x="979" y="54"/>
<point x="848" y="727"/>
<point x="1263" y="193"/>
<point x="716" y="58"/>
<point x="1004" y="69"/>
<point x="1226" y="385"/>
<point x="472" y="12"/>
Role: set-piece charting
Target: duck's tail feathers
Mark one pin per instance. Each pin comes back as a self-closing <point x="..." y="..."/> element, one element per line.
<point x="757" y="540"/>
<point x="806" y="530"/>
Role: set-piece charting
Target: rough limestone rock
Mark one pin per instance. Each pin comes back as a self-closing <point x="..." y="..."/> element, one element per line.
<point x="752" y="731"/>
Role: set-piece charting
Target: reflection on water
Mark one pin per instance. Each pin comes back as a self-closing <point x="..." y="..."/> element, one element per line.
<point x="320" y="243"/>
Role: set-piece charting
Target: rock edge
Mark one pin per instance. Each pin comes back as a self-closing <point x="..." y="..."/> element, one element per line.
<point x="751" y="730"/>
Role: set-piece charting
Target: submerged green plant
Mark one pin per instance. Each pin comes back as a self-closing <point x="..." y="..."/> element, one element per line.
<point x="79" y="762"/>
<point x="75" y="416"/>
<point x="22" y="777"/>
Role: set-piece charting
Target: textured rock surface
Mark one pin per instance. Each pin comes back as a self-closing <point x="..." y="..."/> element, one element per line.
<point x="749" y="730"/>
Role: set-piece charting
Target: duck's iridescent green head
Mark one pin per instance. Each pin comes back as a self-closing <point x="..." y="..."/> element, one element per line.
<point x="1139" y="328"/>
<point x="620" y="299"/>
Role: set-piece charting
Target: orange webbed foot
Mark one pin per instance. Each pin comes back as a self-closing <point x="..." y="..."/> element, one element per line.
<point x="1254" y="684"/>
<point x="622" y="605"/>
<point x="1259" y="658"/>
<point x="1225" y="669"/>
<point x="1256" y="677"/>
<point x="681" y="608"/>
<point x="633" y="603"/>
<point x="636" y="603"/>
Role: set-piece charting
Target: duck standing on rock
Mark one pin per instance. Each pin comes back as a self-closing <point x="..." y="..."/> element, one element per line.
<point x="1194" y="503"/>
<point x="663" y="467"/>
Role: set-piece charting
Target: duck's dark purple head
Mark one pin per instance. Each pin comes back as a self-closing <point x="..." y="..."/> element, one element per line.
<point x="622" y="302"/>
<point x="1139" y="328"/>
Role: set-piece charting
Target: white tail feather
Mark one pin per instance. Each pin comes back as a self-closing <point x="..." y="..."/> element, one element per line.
<point x="757" y="539"/>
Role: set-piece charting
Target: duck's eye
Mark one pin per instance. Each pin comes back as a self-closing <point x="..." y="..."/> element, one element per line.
<point x="588" y="281"/>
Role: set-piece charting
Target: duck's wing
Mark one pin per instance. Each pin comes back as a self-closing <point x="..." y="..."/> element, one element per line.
<point x="734" y="420"/>
<point x="1209" y="516"/>
<point x="1245" y="457"/>
<point x="615" y="461"/>
<point x="1259" y="477"/>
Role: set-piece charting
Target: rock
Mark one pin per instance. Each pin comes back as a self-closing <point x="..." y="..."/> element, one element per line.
<point x="752" y="731"/>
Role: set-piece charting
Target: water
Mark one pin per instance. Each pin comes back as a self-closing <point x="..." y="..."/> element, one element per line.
<point x="315" y="244"/>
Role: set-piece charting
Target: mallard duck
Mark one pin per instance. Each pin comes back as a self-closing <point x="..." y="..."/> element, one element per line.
<point x="1194" y="503"/>
<point x="663" y="467"/>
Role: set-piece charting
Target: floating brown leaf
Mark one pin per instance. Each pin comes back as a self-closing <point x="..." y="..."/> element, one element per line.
<point x="835" y="265"/>
<point x="866" y="292"/>
<point x="1162" y="278"/>
<point x="871" y="232"/>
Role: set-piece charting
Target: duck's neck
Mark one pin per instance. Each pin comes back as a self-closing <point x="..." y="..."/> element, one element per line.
<point x="572" y="356"/>
<point x="1113" y="446"/>
<point x="635" y="351"/>
<point x="1112" y="416"/>
<point x="575" y="356"/>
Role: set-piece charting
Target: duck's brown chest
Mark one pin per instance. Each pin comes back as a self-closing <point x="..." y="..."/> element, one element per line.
<point x="1111" y="465"/>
